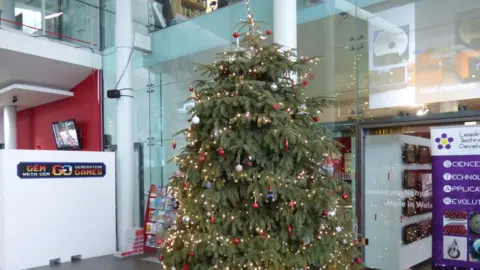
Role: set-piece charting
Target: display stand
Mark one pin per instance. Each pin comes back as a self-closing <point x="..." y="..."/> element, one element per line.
<point x="160" y="217"/>
<point x="56" y="206"/>
<point x="389" y="222"/>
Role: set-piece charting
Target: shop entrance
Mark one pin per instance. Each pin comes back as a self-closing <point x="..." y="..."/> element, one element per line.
<point x="395" y="191"/>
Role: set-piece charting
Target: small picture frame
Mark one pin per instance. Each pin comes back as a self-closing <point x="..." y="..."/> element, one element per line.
<point x="410" y="207"/>
<point x="410" y="179"/>
<point x="409" y="153"/>
<point x="411" y="233"/>
<point x="423" y="155"/>
<point x="425" y="229"/>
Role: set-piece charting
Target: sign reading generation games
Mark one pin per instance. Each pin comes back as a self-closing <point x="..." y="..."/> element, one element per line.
<point x="456" y="196"/>
<point x="27" y="170"/>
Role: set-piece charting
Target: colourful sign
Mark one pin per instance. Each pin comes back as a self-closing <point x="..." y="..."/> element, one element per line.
<point x="60" y="169"/>
<point x="456" y="196"/>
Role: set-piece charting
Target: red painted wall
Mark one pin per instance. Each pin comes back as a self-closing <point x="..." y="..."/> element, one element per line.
<point x="34" y="125"/>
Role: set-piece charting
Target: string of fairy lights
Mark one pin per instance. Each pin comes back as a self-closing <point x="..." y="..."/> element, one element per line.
<point x="201" y="161"/>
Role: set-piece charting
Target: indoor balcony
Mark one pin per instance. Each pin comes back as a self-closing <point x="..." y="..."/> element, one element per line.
<point x="46" y="43"/>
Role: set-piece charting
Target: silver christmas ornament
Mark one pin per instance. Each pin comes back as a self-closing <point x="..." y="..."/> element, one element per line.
<point x="195" y="120"/>
<point x="239" y="168"/>
<point x="207" y="185"/>
<point x="274" y="87"/>
<point x="185" y="220"/>
<point x="345" y="241"/>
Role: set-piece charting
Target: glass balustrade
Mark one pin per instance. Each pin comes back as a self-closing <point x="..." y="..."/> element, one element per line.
<point x="71" y="21"/>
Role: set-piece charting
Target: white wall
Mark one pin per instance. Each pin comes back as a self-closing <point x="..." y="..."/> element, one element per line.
<point x="21" y="42"/>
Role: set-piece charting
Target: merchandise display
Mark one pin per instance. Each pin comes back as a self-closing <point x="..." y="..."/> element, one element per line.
<point x="160" y="216"/>
<point x="398" y="191"/>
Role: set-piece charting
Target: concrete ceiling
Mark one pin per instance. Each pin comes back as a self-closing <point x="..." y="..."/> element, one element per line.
<point x="17" y="67"/>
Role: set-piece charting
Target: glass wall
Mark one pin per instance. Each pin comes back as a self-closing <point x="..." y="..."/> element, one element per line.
<point x="72" y="21"/>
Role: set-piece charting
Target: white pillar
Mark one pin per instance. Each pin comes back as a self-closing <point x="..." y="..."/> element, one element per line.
<point x="285" y="23"/>
<point x="10" y="126"/>
<point x="125" y="154"/>
<point x="8" y="13"/>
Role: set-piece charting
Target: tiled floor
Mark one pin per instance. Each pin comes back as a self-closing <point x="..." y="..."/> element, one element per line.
<point x="106" y="263"/>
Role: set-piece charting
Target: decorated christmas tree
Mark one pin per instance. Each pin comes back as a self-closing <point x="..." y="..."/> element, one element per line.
<point x="252" y="186"/>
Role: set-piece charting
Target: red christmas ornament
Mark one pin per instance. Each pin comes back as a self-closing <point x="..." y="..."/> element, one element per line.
<point x="186" y="184"/>
<point x="276" y="106"/>
<point x="255" y="205"/>
<point x="159" y="241"/>
<point x="311" y="76"/>
<point x="286" y="144"/>
<point x="160" y="258"/>
<point x="174" y="144"/>
<point x="315" y="119"/>
<point x="262" y="233"/>
<point x="344" y="196"/>
<point x="268" y="32"/>
<point x="212" y="218"/>
<point x="355" y="242"/>
<point x="325" y="213"/>
<point x="292" y="204"/>
<point x="192" y="253"/>
<point x="221" y="152"/>
<point x="236" y="241"/>
<point x="190" y="88"/>
<point x="185" y="267"/>
<point x="358" y="260"/>
<point x="236" y="35"/>
<point x="336" y="161"/>
<point x="169" y="243"/>
<point x="202" y="157"/>
<point x="304" y="82"/>
<point x="290" y="231"/>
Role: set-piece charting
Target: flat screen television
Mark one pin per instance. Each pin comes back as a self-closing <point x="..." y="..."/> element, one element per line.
<point x="66" y="135"/>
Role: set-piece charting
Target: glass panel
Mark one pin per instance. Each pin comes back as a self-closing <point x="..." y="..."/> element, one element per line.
<point x="157" y="163"/>
<point x="419" y="62"/>
<point x="73" y="21"/>
<point x="22" y="15"/>
<point x="176" y="117"/>
<point x="169" y="167"/>
<point x="141" y="116"/>
<point x="156" y="113"/>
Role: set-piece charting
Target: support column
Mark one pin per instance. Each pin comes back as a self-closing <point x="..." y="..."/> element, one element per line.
<point x="10" y="126"/>
<point x="125" y="154"/>
<point x="8" y="13"/>
<point x="285" y="25"/>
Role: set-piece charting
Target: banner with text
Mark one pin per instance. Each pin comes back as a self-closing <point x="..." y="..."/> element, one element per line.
<point x="456" y="196"/>
<point x="60" y="169"/>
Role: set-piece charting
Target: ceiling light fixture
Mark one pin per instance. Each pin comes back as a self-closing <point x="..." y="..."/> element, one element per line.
<point x="54" y="15"/>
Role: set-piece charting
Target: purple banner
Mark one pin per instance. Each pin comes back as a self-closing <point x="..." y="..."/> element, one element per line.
<point x="456" y="210"/>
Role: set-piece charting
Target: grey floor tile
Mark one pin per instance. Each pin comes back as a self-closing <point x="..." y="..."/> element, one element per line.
<point x="106" y="263"/>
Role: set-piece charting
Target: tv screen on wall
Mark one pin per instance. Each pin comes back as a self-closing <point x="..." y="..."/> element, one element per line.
<point x="66" y="135"/>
